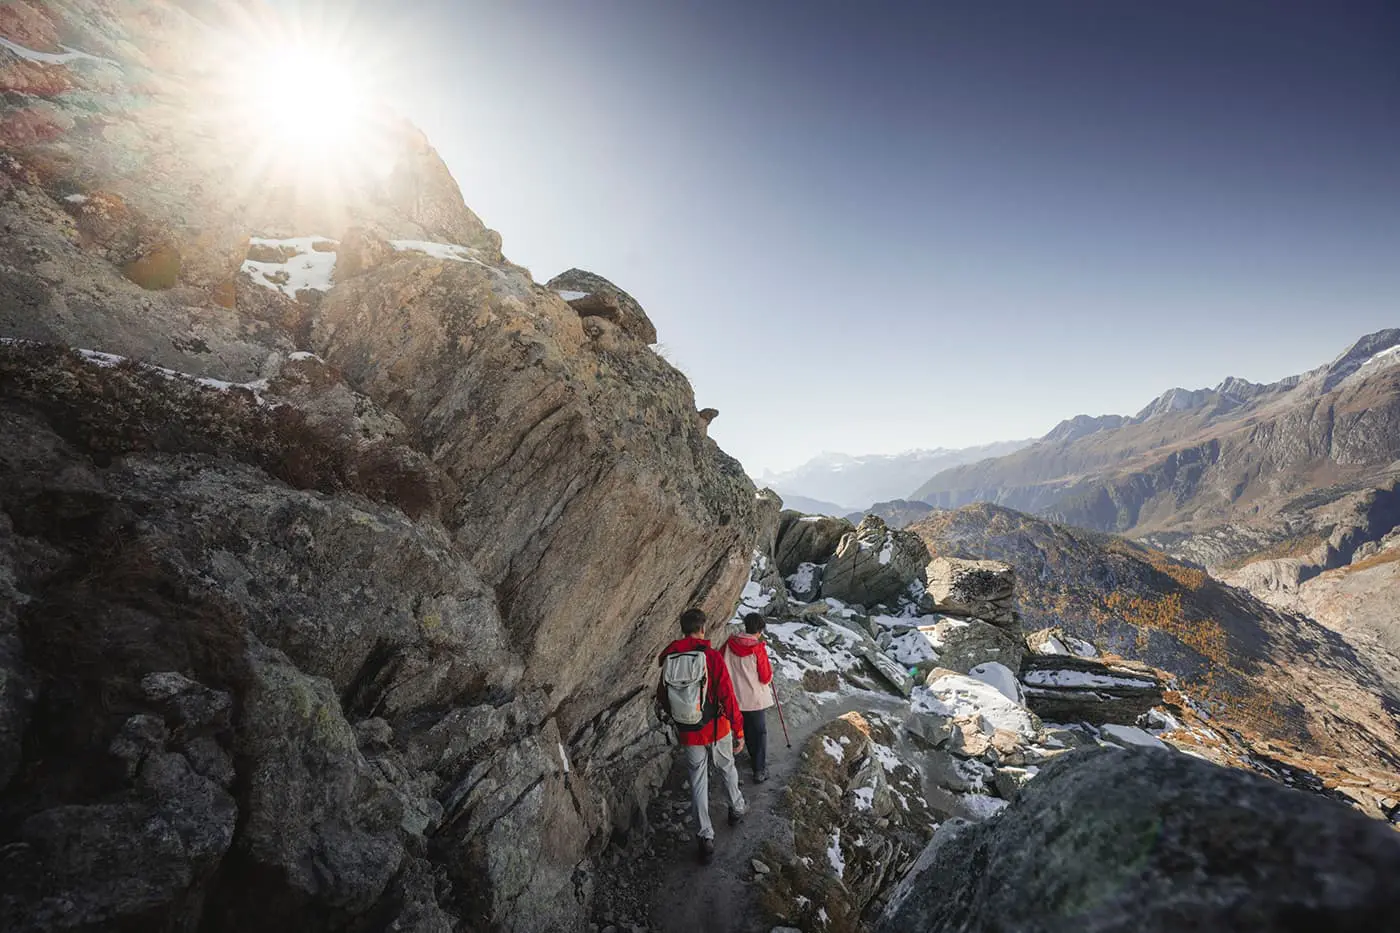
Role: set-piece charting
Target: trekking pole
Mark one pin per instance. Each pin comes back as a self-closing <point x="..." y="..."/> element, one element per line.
<point x="781" y="719"/>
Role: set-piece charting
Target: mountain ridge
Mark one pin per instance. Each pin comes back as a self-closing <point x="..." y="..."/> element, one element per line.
<point x="1192" y="458"/>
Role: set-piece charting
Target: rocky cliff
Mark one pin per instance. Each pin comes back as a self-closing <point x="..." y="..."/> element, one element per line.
<point x="334" y="549"/>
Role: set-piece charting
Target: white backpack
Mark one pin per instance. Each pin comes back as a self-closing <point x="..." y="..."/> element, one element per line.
<point x="687" y="679"/>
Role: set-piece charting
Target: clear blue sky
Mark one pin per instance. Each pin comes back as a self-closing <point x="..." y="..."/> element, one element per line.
<point x="875" y="226"/>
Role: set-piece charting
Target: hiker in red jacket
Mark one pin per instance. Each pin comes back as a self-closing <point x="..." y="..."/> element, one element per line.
<point x="752" y="673"/>
<point x="698" y="697"/>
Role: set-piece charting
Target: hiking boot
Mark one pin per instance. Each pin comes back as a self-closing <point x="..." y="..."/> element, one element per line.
<point x="736" y="816"/>
<point x="760" y="776"/>
<point x="707" y="851"/>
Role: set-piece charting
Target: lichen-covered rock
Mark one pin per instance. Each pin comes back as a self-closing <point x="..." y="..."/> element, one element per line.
<point x="874" y="564"/>
<point x="808" y="539"/>
<point x="1112" y="841"/>
<point x="978" y="589"/>
<point x="1064" y="688"/>
<point x="314" y="812"/>
<point x="591" y="295"/>
<point x="104" y="866"/>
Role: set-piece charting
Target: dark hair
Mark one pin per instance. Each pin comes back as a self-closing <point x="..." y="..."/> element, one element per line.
<point x="753" y="623"/>
<point x="693" y="621"/>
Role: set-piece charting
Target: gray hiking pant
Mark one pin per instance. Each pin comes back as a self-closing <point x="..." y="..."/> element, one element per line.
<point x="697" y="761"/>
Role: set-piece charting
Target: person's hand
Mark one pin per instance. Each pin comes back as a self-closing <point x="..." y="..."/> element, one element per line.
<point x="738" y="745"/>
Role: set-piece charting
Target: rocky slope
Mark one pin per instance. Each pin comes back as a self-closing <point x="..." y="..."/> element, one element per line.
<point x="300" y="545"/>
<point x="1279" y="489"/>
<point x="1270" y="673"/>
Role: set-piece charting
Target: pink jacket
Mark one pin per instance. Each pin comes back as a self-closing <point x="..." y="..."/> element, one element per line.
<point x="750" y="670"/>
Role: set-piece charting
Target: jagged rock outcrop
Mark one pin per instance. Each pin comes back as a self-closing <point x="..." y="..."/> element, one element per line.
<point x="1150" y="840"/>
<point x="499" y="381"/>
<point x="897" y="513"/>
<point x="591" y="295"/>
<point x="1064" y="688"/>
<point x="874" y="564"/>
<point x="808" y="539"/>
<point x="978" y="589"/>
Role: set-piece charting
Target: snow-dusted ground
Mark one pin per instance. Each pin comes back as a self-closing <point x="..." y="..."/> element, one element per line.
<point x="832" y="638"/>
<point x="109" y="360"/>
<point x="449" y="251"/>
<point x="66" y="57"/>
<point x="1080" y="679"/>
<point x="309" y="270"/>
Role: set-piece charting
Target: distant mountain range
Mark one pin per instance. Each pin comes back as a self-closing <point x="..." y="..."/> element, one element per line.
<point x="837" y="483"/>
<point x="1193" y="460"/>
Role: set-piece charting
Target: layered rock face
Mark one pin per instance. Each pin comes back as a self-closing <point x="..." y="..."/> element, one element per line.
<point x="333" y="568"/>
<point x="1102" y="839"/>
<point x="1063" y="688"/>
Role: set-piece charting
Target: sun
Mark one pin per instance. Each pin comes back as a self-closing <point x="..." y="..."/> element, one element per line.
<point x="300" y="107"/>
<point x="308" y="99"/>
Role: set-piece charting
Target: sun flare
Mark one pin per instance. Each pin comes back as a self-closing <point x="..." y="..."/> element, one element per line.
<point x="309" y="99"/>
<point x="301" y="104"/>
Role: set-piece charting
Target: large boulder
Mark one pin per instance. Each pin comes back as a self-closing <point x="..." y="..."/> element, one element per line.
<point x="964" y="644"/>
<point x="1151" y="841"/>
<point x="978" y="589"/>
<point x="315" y="815"/>
<point x="808" y="539"/>
<point x="1055" y="640"/>
<point x="875" y="564"/>
<point x="1065" y="688"/>
<point x="975" y="706"/>
<point x="591" y="295"/>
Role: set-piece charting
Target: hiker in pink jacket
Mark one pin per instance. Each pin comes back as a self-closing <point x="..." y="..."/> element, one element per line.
<point x="752" y="674"/>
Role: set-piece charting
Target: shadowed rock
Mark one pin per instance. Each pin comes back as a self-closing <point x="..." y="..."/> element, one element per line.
<point x="808" y="539"/>
<point x="1151" y="841"/>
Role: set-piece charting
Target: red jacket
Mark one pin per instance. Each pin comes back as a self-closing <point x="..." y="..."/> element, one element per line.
<point x="721" y="688"/>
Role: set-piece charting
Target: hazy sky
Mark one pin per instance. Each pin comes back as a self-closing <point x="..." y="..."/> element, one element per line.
<point x="875" y="226"/>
